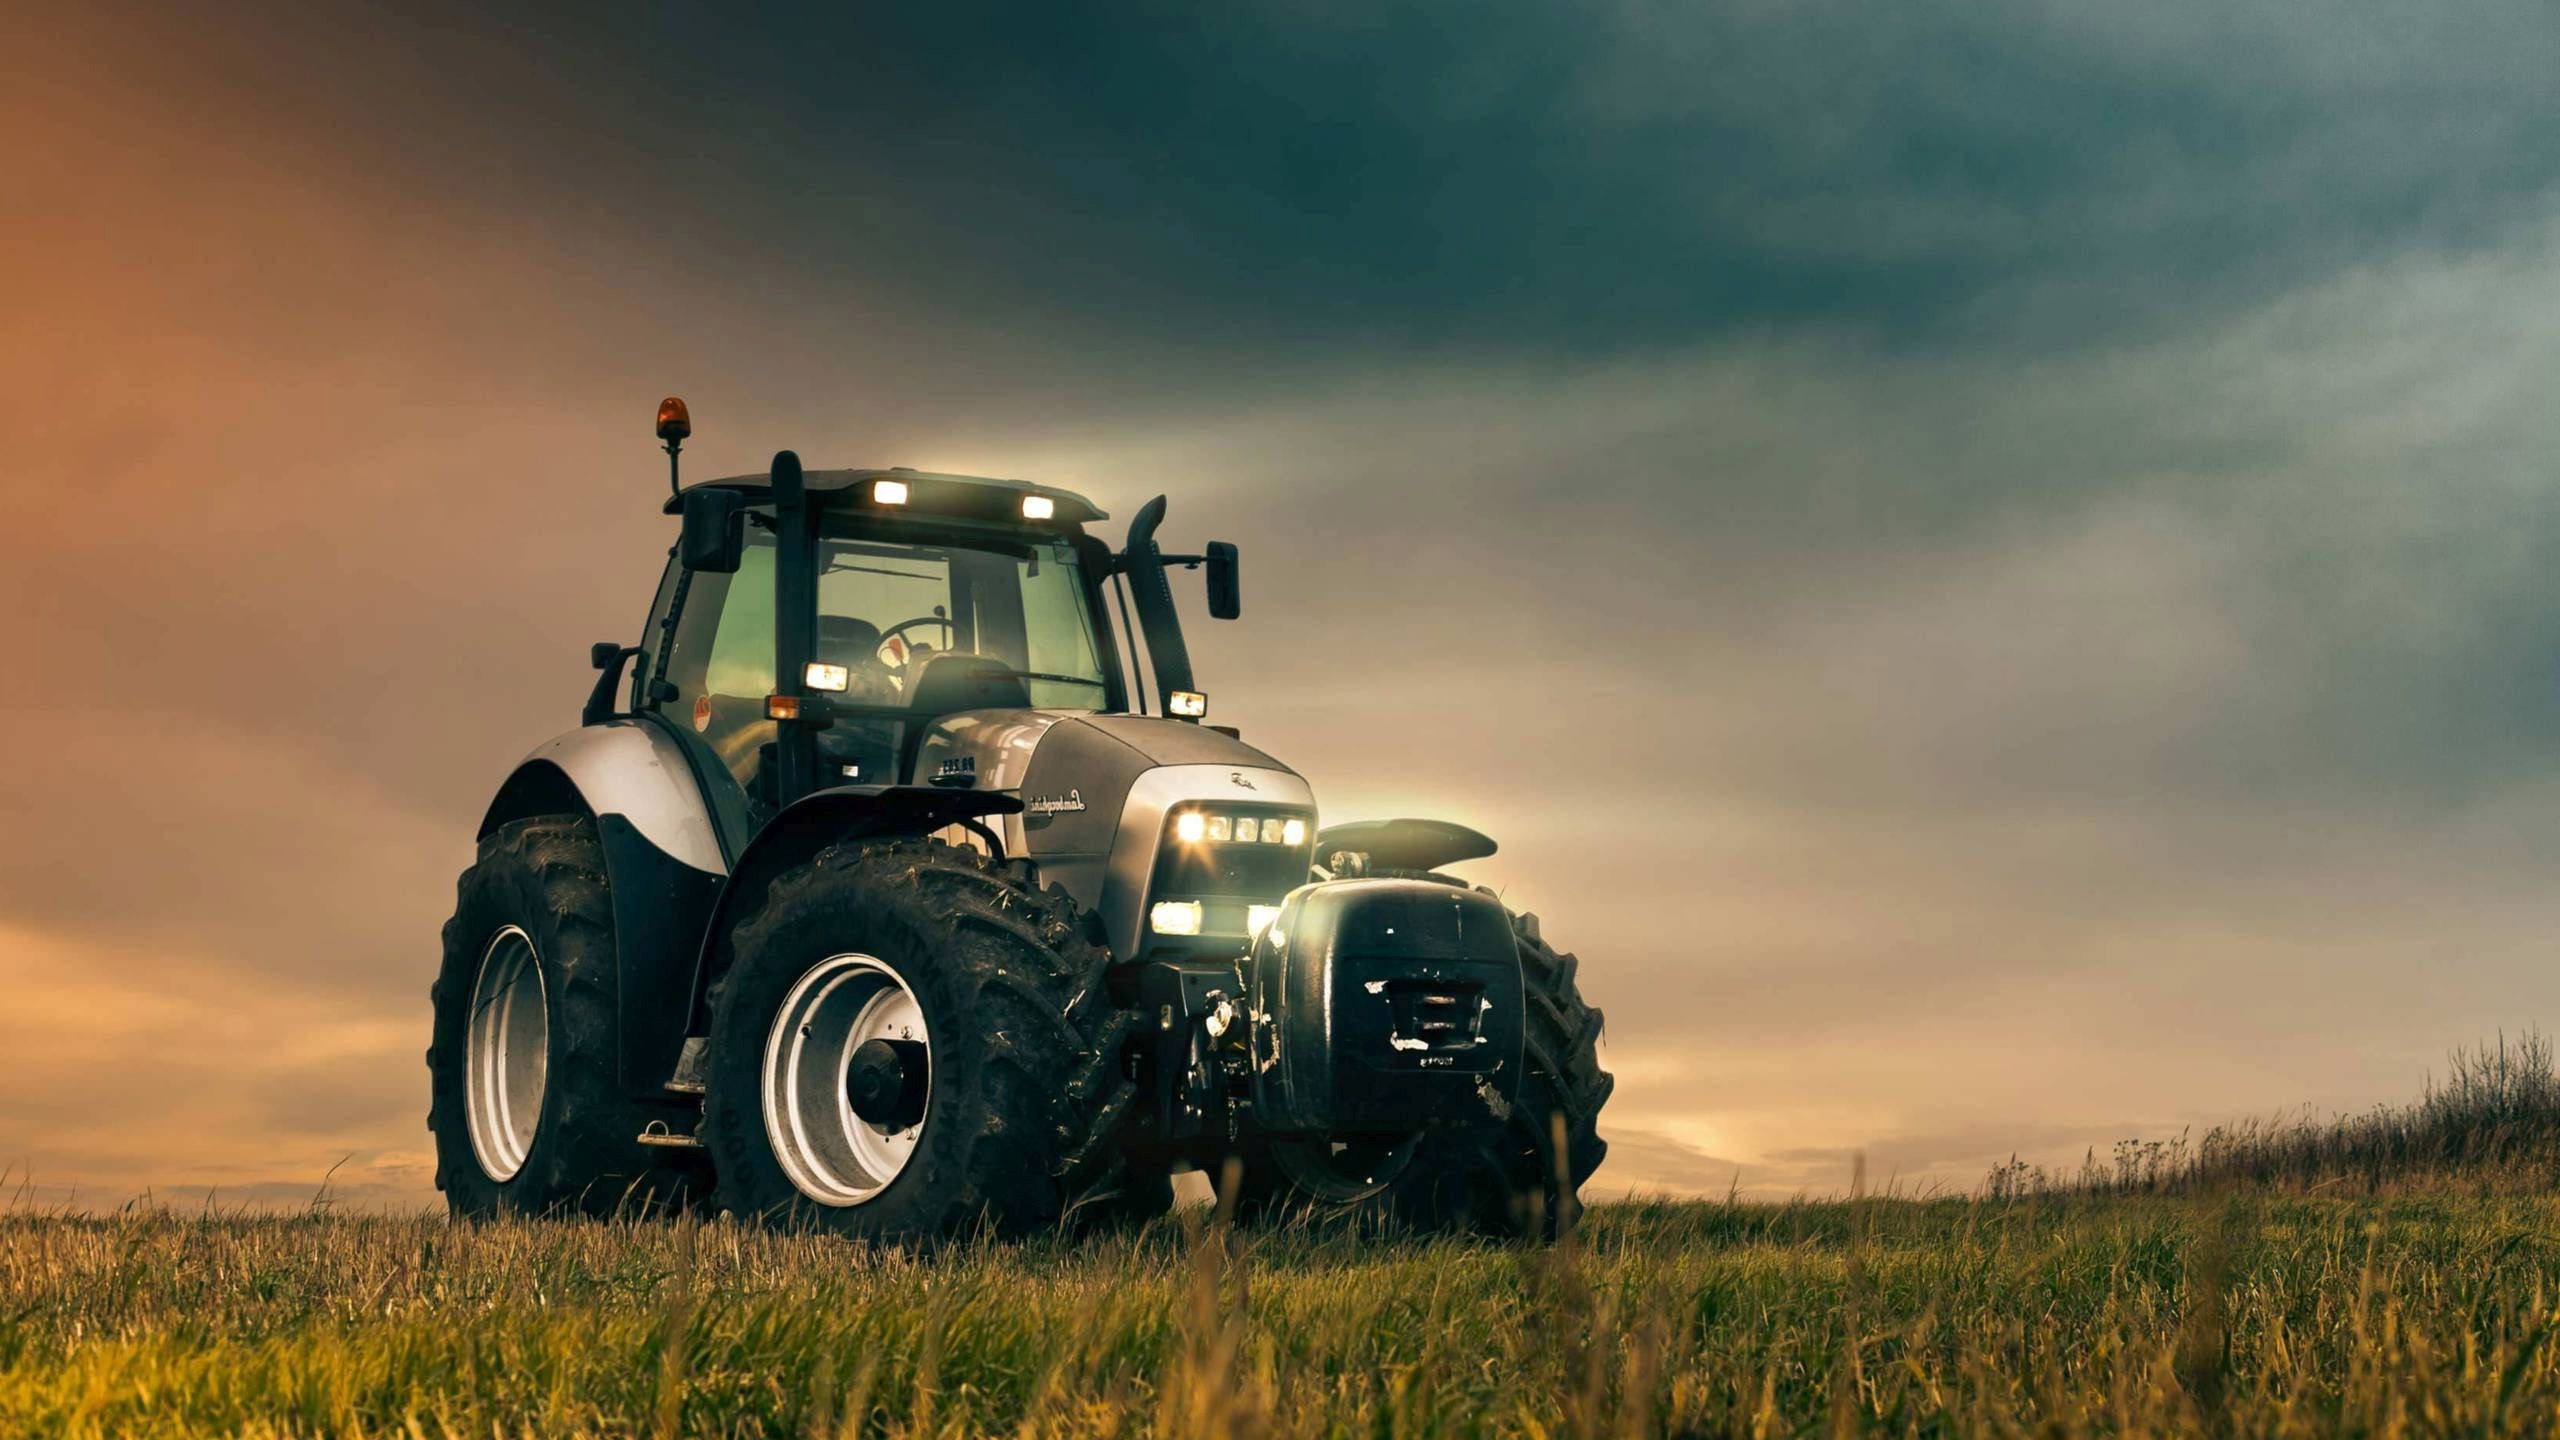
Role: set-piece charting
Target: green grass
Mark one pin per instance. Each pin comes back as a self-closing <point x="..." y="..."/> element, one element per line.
<point x="2426" y="1313"/>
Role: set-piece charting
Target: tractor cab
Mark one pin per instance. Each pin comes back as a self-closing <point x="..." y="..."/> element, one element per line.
<point x="925" y="596"/>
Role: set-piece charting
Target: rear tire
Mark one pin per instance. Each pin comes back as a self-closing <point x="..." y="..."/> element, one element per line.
<point x="525" y="1104"/>
<point x="999" y="980"/>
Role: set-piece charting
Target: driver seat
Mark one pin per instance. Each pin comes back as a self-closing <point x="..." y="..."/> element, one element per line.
<point x="957" y="681"/>
<point x="856" y="751"/>
<point x="849" y="641"/>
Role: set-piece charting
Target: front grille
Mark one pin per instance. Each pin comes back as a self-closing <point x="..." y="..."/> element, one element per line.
<point x="1435" y="1017"/>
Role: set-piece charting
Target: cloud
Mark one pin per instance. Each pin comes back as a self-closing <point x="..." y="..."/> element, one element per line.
<point x="171" y="1071"/>
<point x="1643" y="1163"/>
<point x="1290" y="185"/>
<point x="1594" y="179"/>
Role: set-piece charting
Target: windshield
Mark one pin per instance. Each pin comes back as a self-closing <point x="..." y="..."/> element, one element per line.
<point x="883" y="610"/>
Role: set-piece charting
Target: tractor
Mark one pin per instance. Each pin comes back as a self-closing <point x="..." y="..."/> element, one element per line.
<point x="887" y="887"/>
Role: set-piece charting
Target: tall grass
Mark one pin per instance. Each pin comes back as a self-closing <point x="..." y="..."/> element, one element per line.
<point x="2492" y="1120"/>
<point x="2049" y="1315"/>
<point x="2395" y="1273"/>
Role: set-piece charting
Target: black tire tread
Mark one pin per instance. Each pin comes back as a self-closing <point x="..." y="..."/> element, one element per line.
<point x="1517" y="1187"/>
<point x="1490" y="1178"/>
<point x="548" y="874"/>
<point x="1029" y="965"/>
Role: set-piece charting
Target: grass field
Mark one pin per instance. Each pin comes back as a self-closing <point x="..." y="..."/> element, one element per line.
<point x="2428" y="1313"/>
<point x="2395" y="1272"/>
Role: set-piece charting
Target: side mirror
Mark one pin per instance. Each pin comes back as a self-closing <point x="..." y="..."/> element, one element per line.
<point x="1226" y="602"/>
<point x="715" y="531"/>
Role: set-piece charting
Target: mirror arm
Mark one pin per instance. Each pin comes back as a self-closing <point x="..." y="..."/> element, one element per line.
<point x="609" y="660"/>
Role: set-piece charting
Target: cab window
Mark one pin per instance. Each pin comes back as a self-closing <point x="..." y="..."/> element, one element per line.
<point x="885" y="610"/>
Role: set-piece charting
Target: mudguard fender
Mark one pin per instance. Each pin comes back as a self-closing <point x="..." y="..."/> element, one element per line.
<point x="662" y="865"/>
<point x="1403" y="844"/>
<point x="810" y="824"/>
<point x="622" y="767"/>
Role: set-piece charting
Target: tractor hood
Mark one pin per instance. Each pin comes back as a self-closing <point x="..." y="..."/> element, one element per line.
<point x="1179" y="742"/>
<point x="1097" y="791"/>
<point x="997" y="749"/>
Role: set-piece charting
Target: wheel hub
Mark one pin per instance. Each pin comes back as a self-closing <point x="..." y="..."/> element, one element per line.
<point x="885" y="1083"/>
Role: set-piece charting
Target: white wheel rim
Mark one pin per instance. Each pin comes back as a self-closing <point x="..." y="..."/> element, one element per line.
<point x="506" y="1054"/>
<point x="832" y="1155"/>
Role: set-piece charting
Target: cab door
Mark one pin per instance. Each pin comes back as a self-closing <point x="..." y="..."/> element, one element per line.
<point x="715" y="680"/>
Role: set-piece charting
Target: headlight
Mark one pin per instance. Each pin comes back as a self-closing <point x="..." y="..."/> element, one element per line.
<point x="1191" y="827"/>
<point x="1175" y="917"/>
<point x="1258" y="918"/>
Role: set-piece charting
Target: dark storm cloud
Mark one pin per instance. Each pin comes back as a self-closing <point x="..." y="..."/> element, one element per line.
<point x="2247" y="561"/>
<point x="1304" y="185"/>
<point x="1598" y="177"/>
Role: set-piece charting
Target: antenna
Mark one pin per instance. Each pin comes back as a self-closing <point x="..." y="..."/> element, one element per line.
<point x="673" y="426"/>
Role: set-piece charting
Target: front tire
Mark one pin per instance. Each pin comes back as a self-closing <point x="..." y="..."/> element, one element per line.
<point x="524" y="1102"/>
<point x="1485" y="1176"/>
<point x="1523" y="1174"/>
<point x="1015" y="1080"/>
<point x="1282" y="1181"/>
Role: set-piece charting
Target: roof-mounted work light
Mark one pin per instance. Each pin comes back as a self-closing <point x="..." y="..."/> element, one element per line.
<point x="889" y="492"/>
<point x="1039" y="507"/>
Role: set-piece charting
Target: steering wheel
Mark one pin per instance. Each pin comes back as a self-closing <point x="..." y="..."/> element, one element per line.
<point x="889" y="632"/>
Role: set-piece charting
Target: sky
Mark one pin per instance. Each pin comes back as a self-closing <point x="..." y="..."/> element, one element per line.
<point x="1994" y="566"/>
